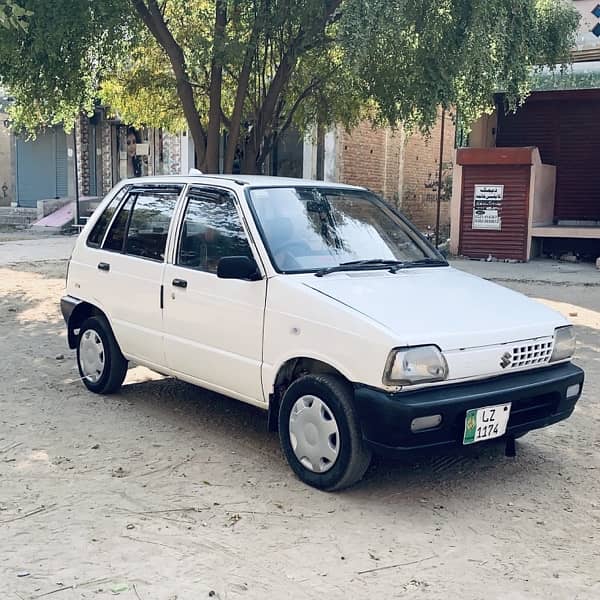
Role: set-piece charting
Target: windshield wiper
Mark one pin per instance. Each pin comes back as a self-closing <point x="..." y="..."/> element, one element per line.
<point x="424" y="262"/>
<point x="381" y="264"/>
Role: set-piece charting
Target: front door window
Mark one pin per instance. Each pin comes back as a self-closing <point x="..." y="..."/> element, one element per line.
<point x="211" y="230"/>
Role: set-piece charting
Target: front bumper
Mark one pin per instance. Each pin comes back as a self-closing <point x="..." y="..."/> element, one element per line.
<point x="538" y="399"/>
<point x="68" y="304"/>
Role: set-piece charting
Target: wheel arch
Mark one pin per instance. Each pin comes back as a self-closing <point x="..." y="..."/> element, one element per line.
<point x="288" y="372"/>
<point x="83" y="310"/>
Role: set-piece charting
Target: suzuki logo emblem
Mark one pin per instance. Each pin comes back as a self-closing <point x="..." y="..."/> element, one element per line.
<point x="505" y="360"/>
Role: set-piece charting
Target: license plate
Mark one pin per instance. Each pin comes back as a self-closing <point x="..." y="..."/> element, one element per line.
<point x="486" y="423"/>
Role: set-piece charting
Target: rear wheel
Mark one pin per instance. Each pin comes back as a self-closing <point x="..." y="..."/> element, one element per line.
<point x="320" y="434"/>
<point x="101" y="365"/>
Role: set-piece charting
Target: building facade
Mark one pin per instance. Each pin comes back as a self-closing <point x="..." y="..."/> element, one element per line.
<point x="400" y="166"/>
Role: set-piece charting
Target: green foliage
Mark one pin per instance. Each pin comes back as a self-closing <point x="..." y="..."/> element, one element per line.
<point x="391" y="60"/>
<point x="415" y="55"/>
<point x="12" y="15"/>
<point x="52" y="68"/>
<point x="565" y="79"/>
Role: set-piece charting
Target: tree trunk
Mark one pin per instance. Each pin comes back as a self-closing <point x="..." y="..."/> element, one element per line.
<point x="251" y="152"/>
<point x="238" y="108"/>
<point x="153" y="19"/>
<point x="216" y="83"/>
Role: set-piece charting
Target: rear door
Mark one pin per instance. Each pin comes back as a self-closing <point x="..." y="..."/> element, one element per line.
<point x="129" y="268"/>
<point x="213" y="327"/>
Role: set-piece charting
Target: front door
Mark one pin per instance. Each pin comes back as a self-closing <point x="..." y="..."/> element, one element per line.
<point x="213" y="326"/>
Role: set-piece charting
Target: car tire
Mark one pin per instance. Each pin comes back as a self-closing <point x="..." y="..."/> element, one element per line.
<point x="101" y="364"/>
<point x="320" y="433"/>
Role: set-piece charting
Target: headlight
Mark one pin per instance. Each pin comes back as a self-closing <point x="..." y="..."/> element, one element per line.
<point x="564" y="343"/>
<point x="408" y="366"/>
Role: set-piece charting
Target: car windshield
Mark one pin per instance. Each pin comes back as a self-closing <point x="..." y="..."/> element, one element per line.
<point x="314" y="229"/>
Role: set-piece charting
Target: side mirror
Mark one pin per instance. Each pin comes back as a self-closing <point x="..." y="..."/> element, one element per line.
<point x="238" y="267"/>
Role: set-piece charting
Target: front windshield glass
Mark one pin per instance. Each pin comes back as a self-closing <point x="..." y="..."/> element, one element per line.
<point x="308" y="229"/>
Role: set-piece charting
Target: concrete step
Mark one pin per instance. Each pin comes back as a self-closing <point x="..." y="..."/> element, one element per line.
<point x="17" y="216"/>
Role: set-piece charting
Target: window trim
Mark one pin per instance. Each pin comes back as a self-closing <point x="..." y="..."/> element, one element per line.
<point x="185" y="200"/>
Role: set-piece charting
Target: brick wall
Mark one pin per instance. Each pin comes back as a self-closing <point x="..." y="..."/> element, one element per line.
<point x="402" y="168"/>
<point x="371" y="157"/>
<point x="420" y="177"/>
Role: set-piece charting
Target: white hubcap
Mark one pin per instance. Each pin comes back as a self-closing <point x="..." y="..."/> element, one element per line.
<point x="91" y="355"/>
<point x="314" y="434"/>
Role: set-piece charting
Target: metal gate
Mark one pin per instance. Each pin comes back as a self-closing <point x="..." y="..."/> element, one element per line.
<point x="42" y="167"/>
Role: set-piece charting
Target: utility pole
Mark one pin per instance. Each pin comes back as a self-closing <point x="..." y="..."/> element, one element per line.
<point x="439" y="187"/>
<point x="76" y="177"/>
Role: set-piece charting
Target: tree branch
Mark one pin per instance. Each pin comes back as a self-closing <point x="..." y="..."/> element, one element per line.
<point x="307" y="91"/>
<point x="216" y="84"/>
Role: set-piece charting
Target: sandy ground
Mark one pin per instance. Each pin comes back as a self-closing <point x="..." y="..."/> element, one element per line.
<point x="165" y="491"/>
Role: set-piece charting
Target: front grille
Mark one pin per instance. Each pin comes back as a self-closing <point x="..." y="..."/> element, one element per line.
<point x="531" y="353"/>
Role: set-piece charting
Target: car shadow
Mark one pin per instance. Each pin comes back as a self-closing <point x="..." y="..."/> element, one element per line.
<point x="239" y="428"/>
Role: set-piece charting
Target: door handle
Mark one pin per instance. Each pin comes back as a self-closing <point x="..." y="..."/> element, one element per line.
<point x="104" y="266"/>
<point x="179" y="283"/>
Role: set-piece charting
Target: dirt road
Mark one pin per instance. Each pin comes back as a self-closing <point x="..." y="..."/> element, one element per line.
<point x="165" y="491"/>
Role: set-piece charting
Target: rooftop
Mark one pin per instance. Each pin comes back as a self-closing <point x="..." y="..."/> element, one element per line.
<point x="242" y="180"/>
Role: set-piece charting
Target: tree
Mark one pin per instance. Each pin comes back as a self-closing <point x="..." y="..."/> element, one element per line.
<point x="416" y="55"/>
<point x="52" y="68"/>
<point x="253" y="68"/>
<point x="233" y="64"/>
<point x="12" y="15"/>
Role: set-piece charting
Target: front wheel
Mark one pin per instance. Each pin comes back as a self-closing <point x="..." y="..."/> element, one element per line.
<point x="101" y="365"/>
<point x="320" y="434"/>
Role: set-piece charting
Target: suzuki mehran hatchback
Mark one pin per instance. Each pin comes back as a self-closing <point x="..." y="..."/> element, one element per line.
<point x="319" y="303"/>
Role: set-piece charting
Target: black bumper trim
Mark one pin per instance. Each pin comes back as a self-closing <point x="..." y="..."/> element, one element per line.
<point x="67" y="306"/>
<point x="538" y="399"/>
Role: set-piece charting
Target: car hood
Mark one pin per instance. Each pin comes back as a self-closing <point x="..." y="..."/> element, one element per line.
<point x="440" y="305"/>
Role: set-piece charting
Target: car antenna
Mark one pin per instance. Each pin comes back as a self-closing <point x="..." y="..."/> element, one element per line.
<point x="195" y="172"/>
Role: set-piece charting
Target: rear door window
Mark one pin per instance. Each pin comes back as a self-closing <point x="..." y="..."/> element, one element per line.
<point x="149" y="224"/>
<point x="142" y="224"/>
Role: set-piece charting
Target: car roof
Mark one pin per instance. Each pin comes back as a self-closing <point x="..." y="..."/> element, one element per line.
<point x="232" y="181"/>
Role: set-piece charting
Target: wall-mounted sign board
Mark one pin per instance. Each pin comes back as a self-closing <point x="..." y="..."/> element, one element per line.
<point x="487" y="203"/>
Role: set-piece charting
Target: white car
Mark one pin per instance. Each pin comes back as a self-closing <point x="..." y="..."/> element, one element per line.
<point x="320" y="304"/>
